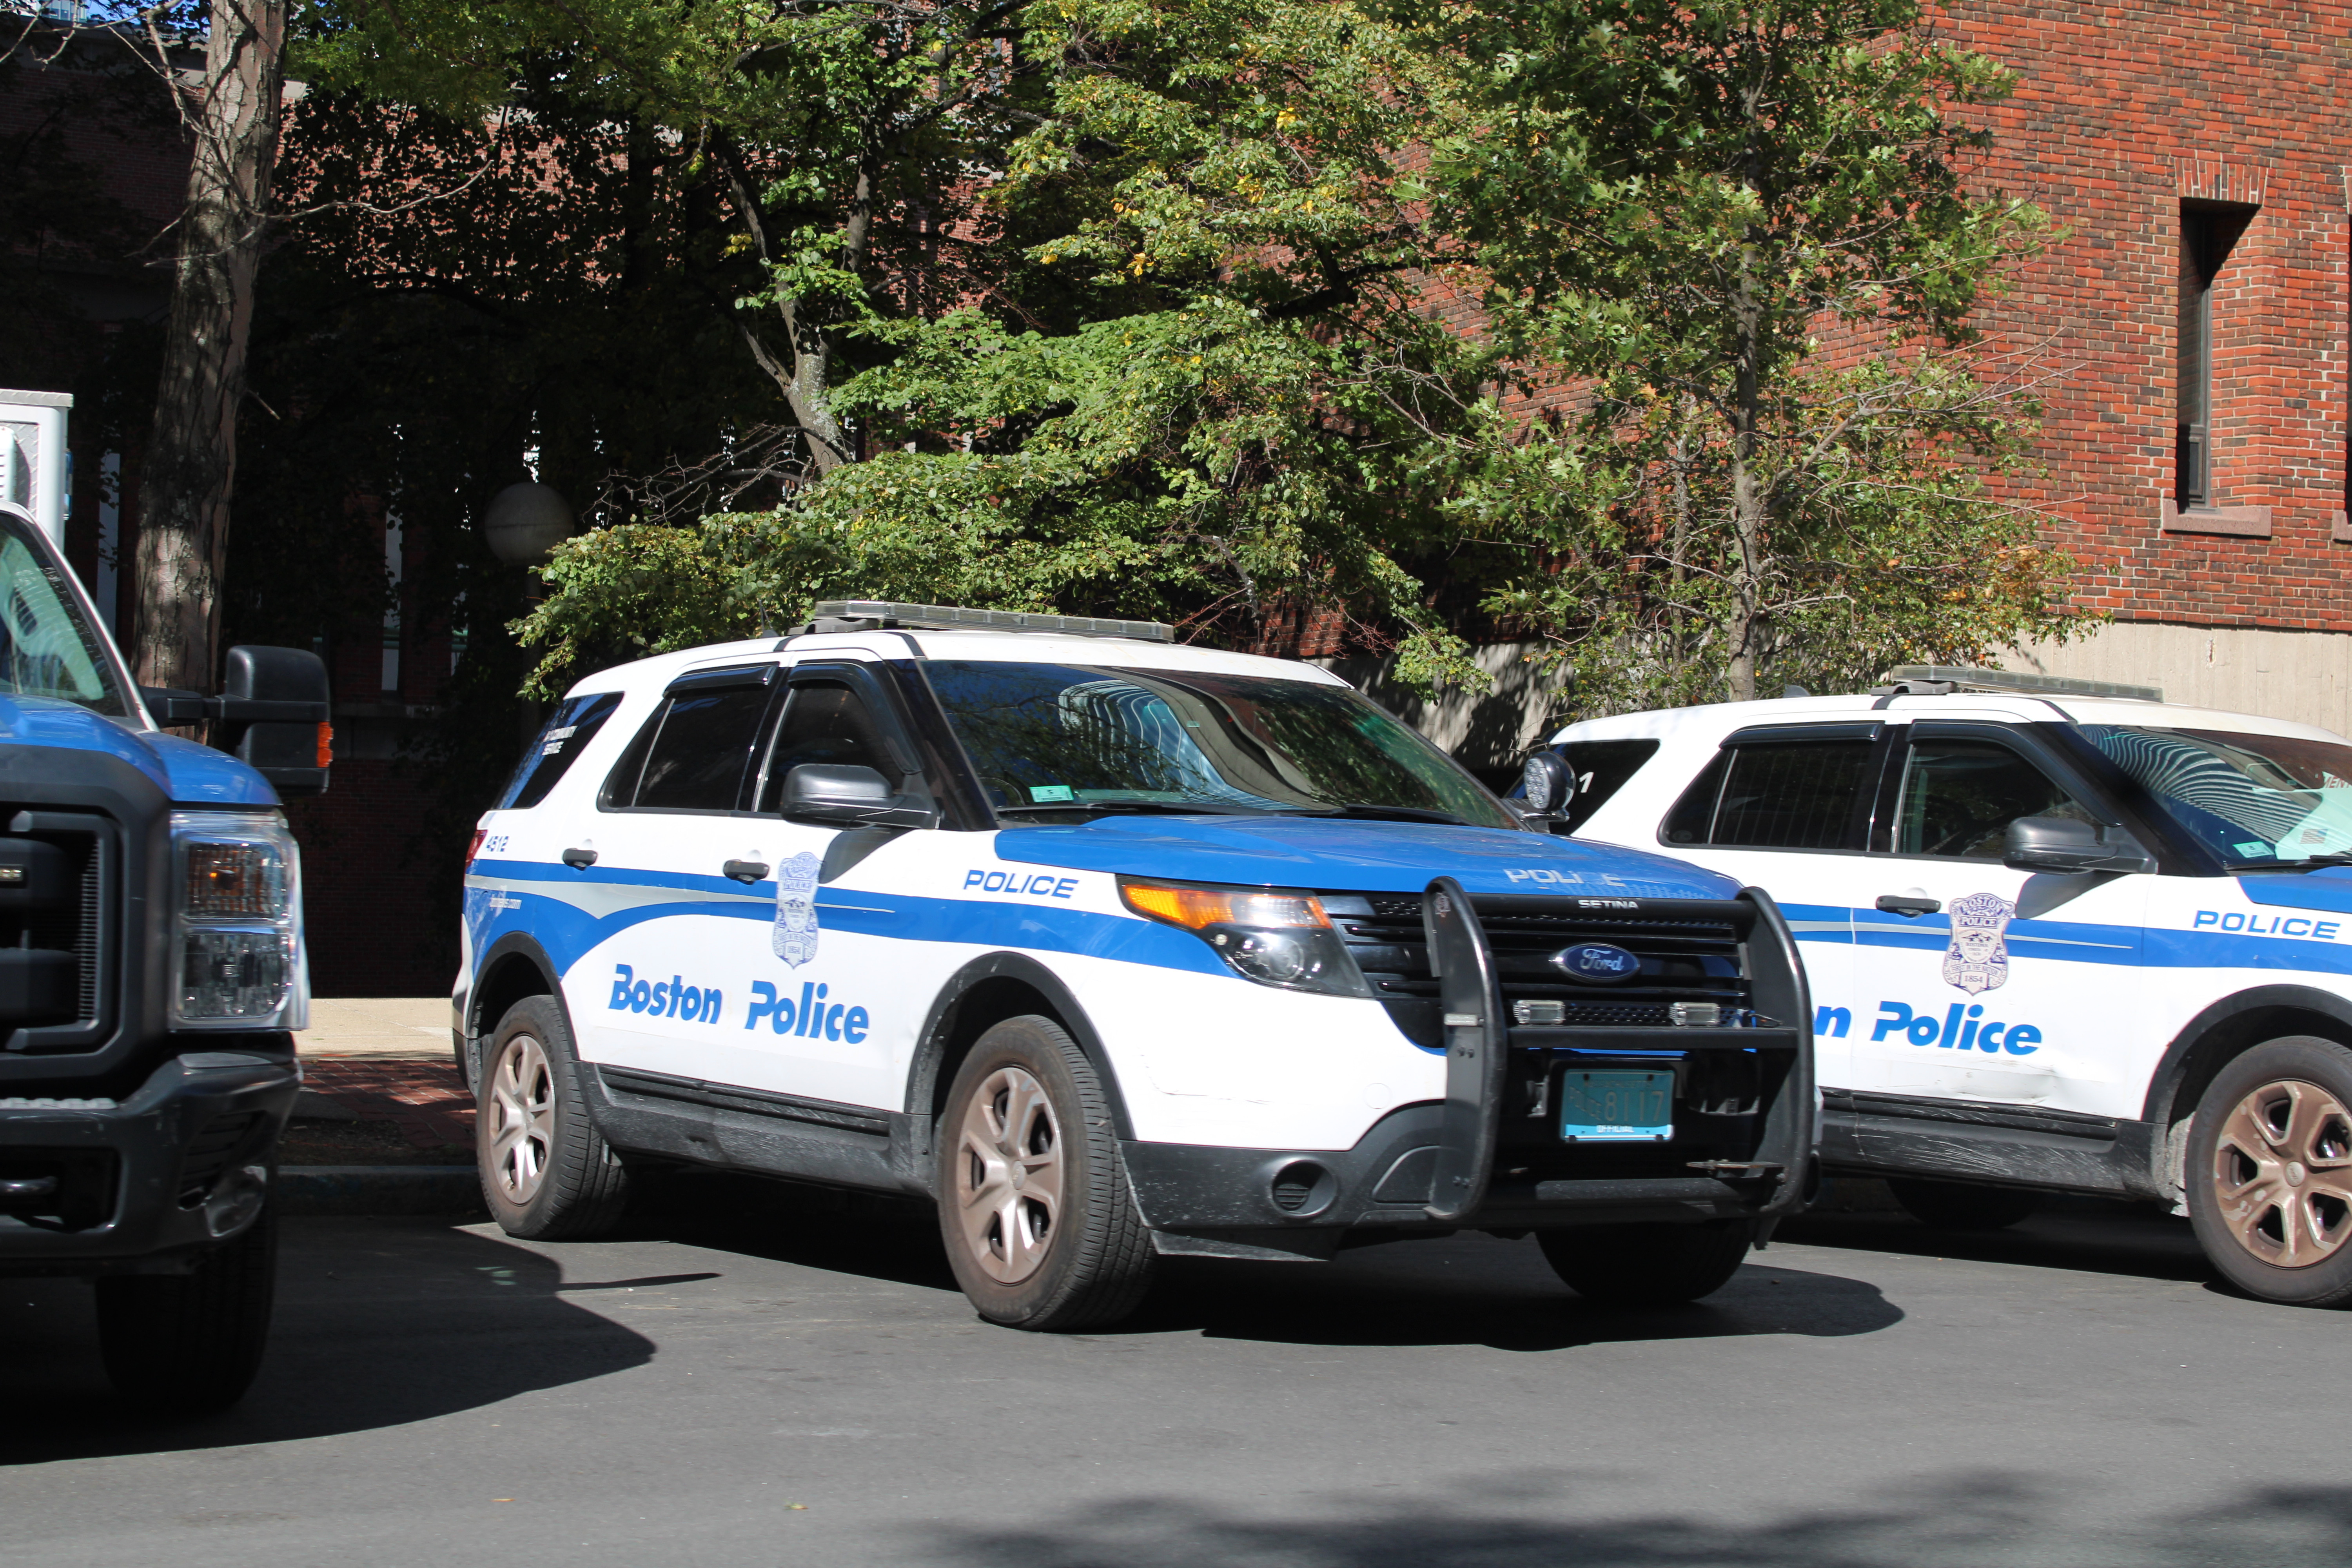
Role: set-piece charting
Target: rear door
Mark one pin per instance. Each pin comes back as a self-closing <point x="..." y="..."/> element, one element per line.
<point x="1787" y="808"/>
<point x="1976" y="981"/>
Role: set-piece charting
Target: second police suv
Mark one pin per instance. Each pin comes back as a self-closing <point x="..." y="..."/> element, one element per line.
<point x="1116" y="948"/>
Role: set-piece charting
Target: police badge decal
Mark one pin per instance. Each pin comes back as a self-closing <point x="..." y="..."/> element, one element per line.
<point x="1977" y="959"/>
<point x="794" y="938"/>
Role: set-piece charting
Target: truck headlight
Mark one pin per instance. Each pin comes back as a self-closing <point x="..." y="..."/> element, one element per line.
<point x="1272" y="938"/>
<point x="237" y="917"/>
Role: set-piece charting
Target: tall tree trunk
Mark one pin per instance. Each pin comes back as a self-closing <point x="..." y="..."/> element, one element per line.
<point x="1747" y="497"/>
<point x="191" y="462"/>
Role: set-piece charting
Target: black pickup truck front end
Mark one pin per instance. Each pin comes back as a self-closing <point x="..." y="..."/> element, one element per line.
<point x="1610" y="1061"/>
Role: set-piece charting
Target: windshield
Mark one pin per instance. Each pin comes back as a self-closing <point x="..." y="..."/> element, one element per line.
<point x="47" y="649"/>
<point x="1052" y="739"/>
<point x="2253" y="800"/>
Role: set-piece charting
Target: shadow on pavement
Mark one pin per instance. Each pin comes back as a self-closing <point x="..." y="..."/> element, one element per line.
<point x="873" y="1234"/>
<point x="1983" y="1519"/>
<point x="379" y="1322"/>
<point x="2086" y="1235"/>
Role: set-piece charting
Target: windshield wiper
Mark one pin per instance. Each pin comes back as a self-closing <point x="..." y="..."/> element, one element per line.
<point x="2307" y="863"/>
<point x="1368" y="812"/>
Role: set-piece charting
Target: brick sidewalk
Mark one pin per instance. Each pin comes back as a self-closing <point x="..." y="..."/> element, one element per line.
<point x="423" y="1098"/>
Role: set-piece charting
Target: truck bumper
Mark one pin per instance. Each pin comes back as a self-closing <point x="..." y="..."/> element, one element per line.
<point x="94" y="1186"/>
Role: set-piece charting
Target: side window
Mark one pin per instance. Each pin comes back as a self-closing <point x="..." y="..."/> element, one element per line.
<point x="826" y="721"/>
<point x="1959" y="796"/>
<point x="692" y="755"/>
<point x="1601" y="769"/>
<point x="565" y="735"/>
<point x="1793" y="795"/>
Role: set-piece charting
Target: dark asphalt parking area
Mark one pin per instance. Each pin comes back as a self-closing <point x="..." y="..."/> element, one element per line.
<point x="759" y="1375"/>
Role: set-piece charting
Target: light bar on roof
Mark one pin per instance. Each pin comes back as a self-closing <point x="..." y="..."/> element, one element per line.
<point x="946" y="617"/>
<point x="1967" y="680"/>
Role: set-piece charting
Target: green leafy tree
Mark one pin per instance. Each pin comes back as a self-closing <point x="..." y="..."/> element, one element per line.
<point x="1744" y="233"/>
<point x="1212" y="393"/>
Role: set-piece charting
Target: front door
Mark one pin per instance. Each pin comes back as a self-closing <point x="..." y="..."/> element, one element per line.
<point x="1973" y="981"/>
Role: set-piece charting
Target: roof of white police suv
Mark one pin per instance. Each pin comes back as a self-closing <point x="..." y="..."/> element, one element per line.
<point x="1723" y="718"/>
<point x="979" y="647"/>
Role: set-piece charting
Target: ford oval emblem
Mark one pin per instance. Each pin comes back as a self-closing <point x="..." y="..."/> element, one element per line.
<point x="1597" y="963"/>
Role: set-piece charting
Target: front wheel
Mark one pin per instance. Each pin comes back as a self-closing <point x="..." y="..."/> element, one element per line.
<point x="1649" y="1265"/>
<point x="2269" y="1172"/>
<point x="188" y="1344"/>
<point x="1956" y="1206"/>
<point x="1040" y="1227"/>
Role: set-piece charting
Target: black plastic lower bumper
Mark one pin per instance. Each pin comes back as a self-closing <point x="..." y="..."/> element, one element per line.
<point x="89" y="1187"/>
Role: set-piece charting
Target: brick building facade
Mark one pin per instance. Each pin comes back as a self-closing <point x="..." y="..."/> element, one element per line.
<point x="2197" y="152"/>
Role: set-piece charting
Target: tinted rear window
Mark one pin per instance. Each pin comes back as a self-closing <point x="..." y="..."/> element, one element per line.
<point x="564" y="736"/>
<point x="1797" y="795"/>
<point x="693" y="753"/>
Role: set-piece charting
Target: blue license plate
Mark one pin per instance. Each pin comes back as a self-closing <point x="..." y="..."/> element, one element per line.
<point x="1618" y="1106"/>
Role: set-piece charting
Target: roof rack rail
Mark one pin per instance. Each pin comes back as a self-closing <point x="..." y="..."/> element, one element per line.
<point x="877" y="614"/>
<point x="1935" y="679"/>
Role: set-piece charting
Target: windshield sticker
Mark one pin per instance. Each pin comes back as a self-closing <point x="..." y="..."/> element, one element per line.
<point x="1976" y="960"/>
<point x="2254" y="850"/>
<point x="795" y="939"/>
<point x="1051" y="792"/>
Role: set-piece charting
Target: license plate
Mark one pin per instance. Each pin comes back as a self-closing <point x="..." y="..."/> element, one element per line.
<point x="1619" y="1106"/>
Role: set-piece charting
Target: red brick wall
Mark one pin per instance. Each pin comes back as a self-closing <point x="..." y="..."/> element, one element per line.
<point x="2122" y="110"/>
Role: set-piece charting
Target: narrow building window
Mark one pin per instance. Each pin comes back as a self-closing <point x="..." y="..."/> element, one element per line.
<point x="2209" y="230"/>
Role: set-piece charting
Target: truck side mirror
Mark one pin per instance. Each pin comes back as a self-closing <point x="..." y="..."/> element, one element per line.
<point x="849" y="795"/>
<point x="2065" y="845"/>
<point x="290" y="749"/>
<point x="275" y="712"/>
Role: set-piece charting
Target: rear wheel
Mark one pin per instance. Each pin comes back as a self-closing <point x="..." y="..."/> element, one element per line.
<point x="1653" y="1265"/>
<point x="547" y="1173"/>
<point x="1956" y="1206"/>
<point x="188" y="1344"/>
<point x="1040" y="1227"/>
<point x="2269" y="1172"/>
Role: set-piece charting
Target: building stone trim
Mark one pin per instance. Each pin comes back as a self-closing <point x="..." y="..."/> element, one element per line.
<point x="2244" y="521"/>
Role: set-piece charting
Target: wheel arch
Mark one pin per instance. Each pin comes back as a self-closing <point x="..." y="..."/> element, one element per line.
<point x="2226" y="1030"/>
<point x="515" y="967"/>
<point x="982" y="994"/>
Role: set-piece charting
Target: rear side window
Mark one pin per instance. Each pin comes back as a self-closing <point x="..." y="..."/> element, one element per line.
<point x="565" y="735"/>
<point x="692" y="755"/>
<point x="1601" y="769"/>
<point x="1795" y="794"/>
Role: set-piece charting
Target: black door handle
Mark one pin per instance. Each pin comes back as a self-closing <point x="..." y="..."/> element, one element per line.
<point x="1907" y="907"/>
<point x="745" y="870"/>
<point x="579" y="860"/>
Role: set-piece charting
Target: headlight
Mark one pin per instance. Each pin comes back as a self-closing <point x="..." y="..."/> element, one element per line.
<point x="237" y="922"/>
<point x="1274" y="939"/>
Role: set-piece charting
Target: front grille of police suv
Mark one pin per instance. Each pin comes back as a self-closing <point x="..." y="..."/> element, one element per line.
<point x="59" y="880"/>
<point x="1682" y="961"/>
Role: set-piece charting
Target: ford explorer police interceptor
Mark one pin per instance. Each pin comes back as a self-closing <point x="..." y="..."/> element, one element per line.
<point x="1116" y="948"/>
<point x="2062" y="937"/>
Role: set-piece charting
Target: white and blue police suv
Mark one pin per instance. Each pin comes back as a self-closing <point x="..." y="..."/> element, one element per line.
<point x="2063" y="937"/>
<point x="1116" y="948"/>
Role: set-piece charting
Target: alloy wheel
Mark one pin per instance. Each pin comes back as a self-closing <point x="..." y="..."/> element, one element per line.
<point x="522" y="1119"/>
<point x="1008" y="1174"/>
<point x="2283" y="1173"/>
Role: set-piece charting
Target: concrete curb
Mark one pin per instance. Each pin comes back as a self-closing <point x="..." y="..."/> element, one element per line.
<point x="379" y="1190"/>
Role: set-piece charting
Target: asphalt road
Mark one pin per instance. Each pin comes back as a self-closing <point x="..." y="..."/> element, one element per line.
<point x="750" y="1380"/>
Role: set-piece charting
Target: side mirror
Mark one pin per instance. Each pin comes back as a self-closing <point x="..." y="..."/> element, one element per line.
<point x="851" y="796"/>
<point x="275" y="712"/>
<point x="2064" y="846"/>
<point x="1550" y="784"/>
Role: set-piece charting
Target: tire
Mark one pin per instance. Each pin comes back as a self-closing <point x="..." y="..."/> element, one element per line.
<point x="1956" y="1205"/>
<point x="2269" y="1172"/>
<point x="547" y="1173"/>
<point x="1062" y="1247"/>
<point x="1650" y="1265"/>
<point x="188" y="1344"/>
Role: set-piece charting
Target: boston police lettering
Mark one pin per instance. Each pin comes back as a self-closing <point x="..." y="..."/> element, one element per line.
<point x="671" y="998"/>
<point x="811" y="1017"/>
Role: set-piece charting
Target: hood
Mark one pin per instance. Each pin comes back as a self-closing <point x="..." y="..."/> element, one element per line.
<point x="186" y="773"/>
<point x="2328" y="890"/>
<point x="1356" y="856"/>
